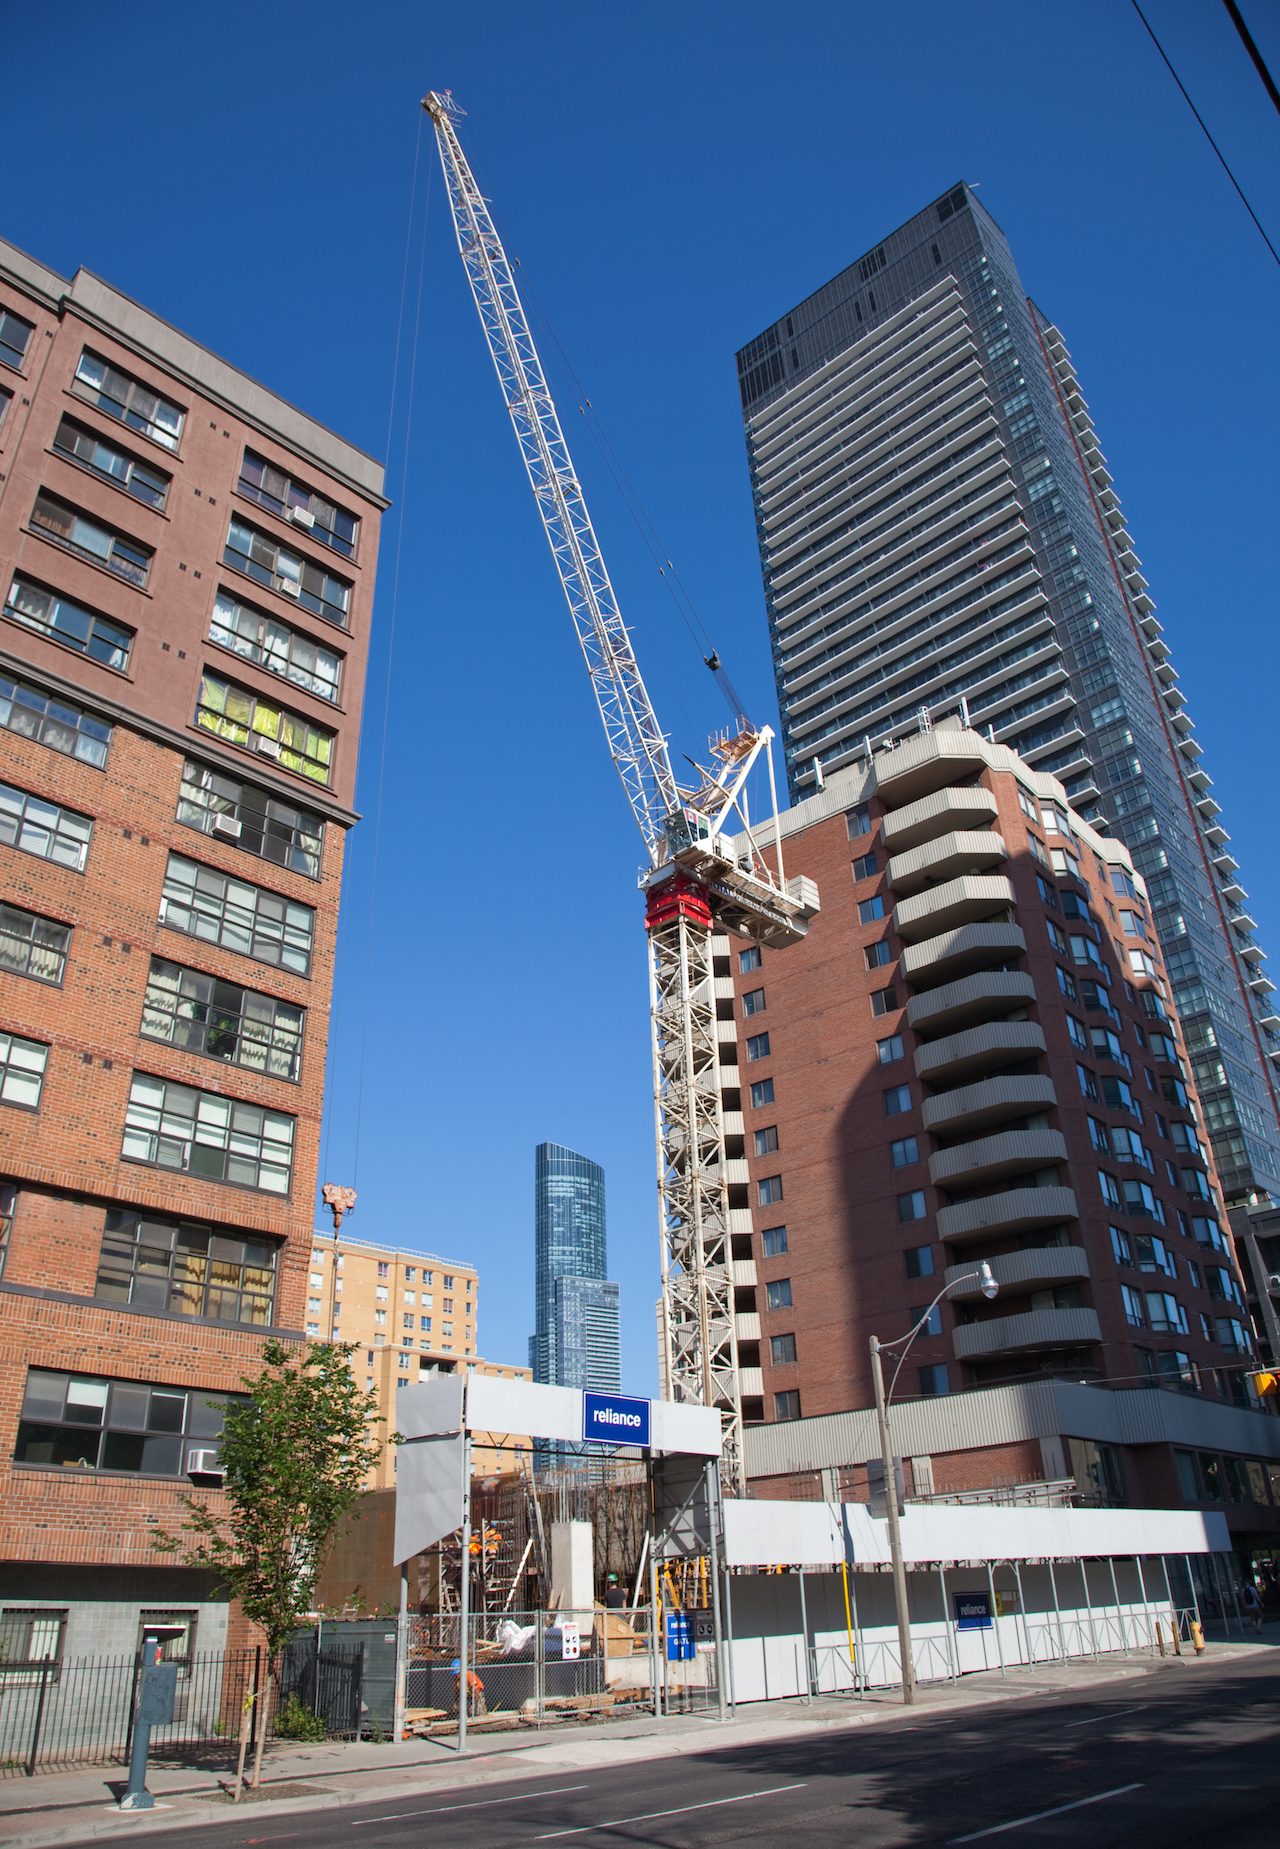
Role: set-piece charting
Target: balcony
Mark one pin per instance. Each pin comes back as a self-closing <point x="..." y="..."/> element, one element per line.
<point x="1012" y="1152"/>
<point x="935" y="815"/>
<point x="993" y="1101"/>
<point x="957" y="902"/>
<point x="1020" y="1210"/>
<point x="1034" y="1266"/>
<point x="740" y="1227"/>
<point x="733" y="1123"/>
<point x="736" y="1172"/>
<point x="920" y="868"/>
<point x="750" y="1383"/>
<point x="1004" y="1335"/>
<point x="973" y="999"/>
<point x="974" y="1053"/>
<point x="1241" y="921"/>
<point x="744" y="1270"/>
<point x="956" y="953"/>
<point x="747" y="1325"/>
<point x="928" y="763"/>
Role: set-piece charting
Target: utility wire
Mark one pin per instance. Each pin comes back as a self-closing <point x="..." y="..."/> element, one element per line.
<point x="1247" y="40"/>
<point x="1208" y="137"/>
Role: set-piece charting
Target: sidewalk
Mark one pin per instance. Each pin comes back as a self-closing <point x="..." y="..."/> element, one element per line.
<point x="69" y="1807"/>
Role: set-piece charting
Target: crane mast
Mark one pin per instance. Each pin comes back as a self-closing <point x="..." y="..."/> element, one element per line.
<point x="695" y="883"/>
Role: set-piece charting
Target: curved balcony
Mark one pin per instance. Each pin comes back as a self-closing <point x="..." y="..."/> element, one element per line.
<point x="990" y="1101"/>
<point x="922" y="765"/>
<point x="935" y="815"/>
<point x="1020" y="1210"/>
<point x="1004" y="1335"/>
<point x="1009" y="1153"/>
<point x="977" y="1051"/>
<point x="971" y="1000"/>
<point x="956" y="953"/>
<point x="971" y="851"/>
<point x="1022" y="1270"/>
<point x="958" y="902"/>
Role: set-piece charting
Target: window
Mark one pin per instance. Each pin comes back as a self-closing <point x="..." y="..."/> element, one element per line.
<point x="310" y="585"/>
<point x="761" y="1093"/>
<point x="865" y="867"/>
<point x="42" y="829"/>
<point x="8" y="1205"/>
<point x="1099" y="1136"/>
<point x="244" y="718"/>
<point x="1196" y="1185"/>
<point x="1048" y="892"/>
<point x="384" y="1268"/>
<point x="73" y="1419"/>
<point x="320" y="518"/>
<point x="1110" y="1188"/>
<point x="775" y="1241"/>
<point x="234" y="811"/>
<point x="933" y="1380"/>
<point x="406" y="1322"/>
<point x="1141" y="963"/>
<point x="1209" y="1233"/>
<point x="911" y="1206"/>
<point x="1066" y="982"/>
<point x="896" y="1100"/>
<point x="186" y="1268"/>
<point x="1178" y="1370"/>
<point x="858" y="821"/>
<point x="126" y="557"/>
<point x="1185" y="1138"/>
<point x="749" y="960"/>
<point x="753" y="1002"/>
<point x="1193" y="1272"/>
<point x="1120" y="1247"/>
<point x="1133" y="924"/>
<point x="1084" y="950"/>
<point x="884" y="1001"/>
<point x="14" y="335"/>
<point x="1188" y="1480"/>
<point x="1107" y="1046"/>
<point x="766" y="1140"/>
<point x="6" y="399"/>
<point x="207" y="905"/>
<point x="1120" y="1098"/>
<point x="424" y="1322"/>
<point x="34" y="1636"/>
<point x="203" y="1014"/>
<point x="1140" y="1203"/>
<point x="1056" y="938"/>
<point x="1175" y="1093"/>
<point x="274" y="645"/>
<point x="786" y="1405"/>
<point x="870" y="909"/>
<point x="31" y="945"/>
<point x="1028" y="807"/>
<point x="1076" y="1033"/>
<point x="1128" y="1146"/>
<point x="769" y="1191"/>
<point x="927" y="1322"/>
<point x="757" y="1047"/>
<point x="919" y="1261"/>
<point x="128" y="400"/>
<point x="1037" y="848"/>
<point x="1222" y="1286"/>
<point x="448" y="1281"/>
<point x="782" y="1350"/>
<point x="1232" y="1336"/>
<point x="890" y="1049"/>
<point x="905" y="1153"/>
<point x="53" y="722"/>
<point x="1122" y="884"/>
<point x="878" y="955"/>
<point x="204" y="1134"/>
<point x="1165" y="1314"/>
<point x="1065" y="862"/>
<point x="146" y="484"/>
<point x="59" y="620"/>
<point x="1154" y="1255"/>
<point x="1088" y="1083"/>
<point x="778" y="1294"/>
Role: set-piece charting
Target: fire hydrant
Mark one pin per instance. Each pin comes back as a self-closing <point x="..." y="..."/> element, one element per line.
<point x="1197" y="1636"/>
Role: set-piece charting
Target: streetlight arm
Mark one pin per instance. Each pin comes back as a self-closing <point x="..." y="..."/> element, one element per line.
<point x="989" y="1287"/>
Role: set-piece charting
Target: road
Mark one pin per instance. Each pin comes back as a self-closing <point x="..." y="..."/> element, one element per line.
<point x="1186" y="1760"/>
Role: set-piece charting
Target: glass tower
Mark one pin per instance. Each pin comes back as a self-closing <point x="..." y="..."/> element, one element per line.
<point x="576" y="1310"/>
<point x="939" y="533"/>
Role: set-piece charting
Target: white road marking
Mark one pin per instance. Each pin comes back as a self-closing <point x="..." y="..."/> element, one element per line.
<point x="614" y="1823"/>
<point x="1111" y="1712"/>
<point x="484" y="1804"/>
<point x="999" y="1828"/>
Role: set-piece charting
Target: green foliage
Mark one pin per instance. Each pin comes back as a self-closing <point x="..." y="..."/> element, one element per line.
<point x="295" y="1458"/>
<point x="295" y="1721"/>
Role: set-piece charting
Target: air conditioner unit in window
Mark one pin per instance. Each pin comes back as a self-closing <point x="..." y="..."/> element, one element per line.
<point x="203" y="1468"/>
<point x="301" y="517"/>
<point x="289" y="586"/>
<point x="226" y="825"/>
<point x="267" y="746"/>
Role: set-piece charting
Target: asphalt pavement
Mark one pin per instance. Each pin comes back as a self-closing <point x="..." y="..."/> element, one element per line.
<point x="1185" y="1759"/>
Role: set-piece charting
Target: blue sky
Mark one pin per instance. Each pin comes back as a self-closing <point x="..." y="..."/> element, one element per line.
<point x="672" y="178"/>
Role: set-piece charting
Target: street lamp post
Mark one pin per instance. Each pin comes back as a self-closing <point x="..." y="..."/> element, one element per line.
<point x="989" y="1288"/>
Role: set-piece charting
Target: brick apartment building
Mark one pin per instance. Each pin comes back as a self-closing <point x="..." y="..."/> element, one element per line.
<point x="972" y="1056"/>
<point x="188" y="585"/>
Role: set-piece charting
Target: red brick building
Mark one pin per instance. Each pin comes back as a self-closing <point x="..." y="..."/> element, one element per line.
<point x="188" y="584"/>
<point x="972" y="1057"/>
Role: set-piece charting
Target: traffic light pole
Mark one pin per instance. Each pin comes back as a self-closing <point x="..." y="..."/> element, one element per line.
<point x="895" y="1533"/>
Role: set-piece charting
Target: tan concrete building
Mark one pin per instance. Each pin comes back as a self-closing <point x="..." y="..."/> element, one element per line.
<point x="385" y="1296"/>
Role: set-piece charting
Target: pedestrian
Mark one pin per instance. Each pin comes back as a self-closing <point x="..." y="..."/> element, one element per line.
<point x="1252" y="1605"/>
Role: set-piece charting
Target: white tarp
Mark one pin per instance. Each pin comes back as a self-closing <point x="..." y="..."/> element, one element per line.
<point x="824" y="1533"/>
<point x="534" y="1411"/>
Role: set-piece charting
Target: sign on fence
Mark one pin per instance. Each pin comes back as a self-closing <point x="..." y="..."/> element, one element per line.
<point x="571" y="1645"/>
<point x="973" y="1611"/>
<point x="615" y="1419"/>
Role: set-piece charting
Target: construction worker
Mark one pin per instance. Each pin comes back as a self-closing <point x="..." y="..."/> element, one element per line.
<point x="615" y="1599"/>
<point x="476" y="1704"/>
<point x="1252" y="1605"/>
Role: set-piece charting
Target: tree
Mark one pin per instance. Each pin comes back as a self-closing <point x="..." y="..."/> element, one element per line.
<point x="294" y="1457"/>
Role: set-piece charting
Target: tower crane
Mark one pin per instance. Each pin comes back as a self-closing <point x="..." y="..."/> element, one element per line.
<point x="694" y="881"/>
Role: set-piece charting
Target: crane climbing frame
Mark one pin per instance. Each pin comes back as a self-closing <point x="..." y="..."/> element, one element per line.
<point x="694" y="882"/>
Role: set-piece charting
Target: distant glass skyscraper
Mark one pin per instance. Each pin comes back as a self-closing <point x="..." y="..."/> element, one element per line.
<point x="937" y="527"/>
<point x="575" y="1343"/>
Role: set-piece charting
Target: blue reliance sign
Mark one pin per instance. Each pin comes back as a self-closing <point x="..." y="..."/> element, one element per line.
<point x="610" y="1419"/>
<point x="973" y="1611"/>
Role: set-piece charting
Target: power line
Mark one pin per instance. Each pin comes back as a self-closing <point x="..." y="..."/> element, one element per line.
<point x="1208" y="137"/>
<point x="1247" y="39"/>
